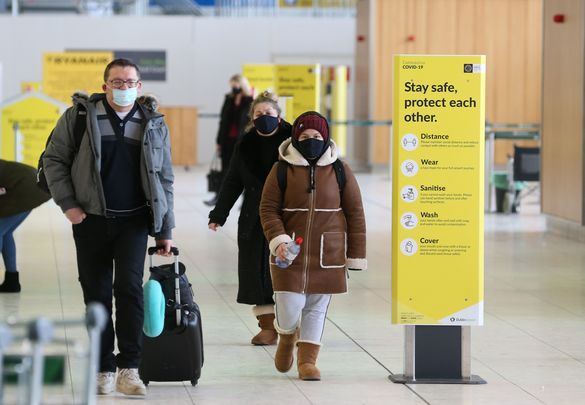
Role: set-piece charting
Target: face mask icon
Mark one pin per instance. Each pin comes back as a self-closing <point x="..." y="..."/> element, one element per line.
<point x="409" y="168"/>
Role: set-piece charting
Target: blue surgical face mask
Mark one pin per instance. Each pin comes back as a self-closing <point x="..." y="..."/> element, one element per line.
<point x="265" y="124"/>
<point x="124" y="98"/>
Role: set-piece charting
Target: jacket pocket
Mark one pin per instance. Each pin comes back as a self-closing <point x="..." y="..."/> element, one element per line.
<point x="157" y="152"/>
<point x="333" y="250"/>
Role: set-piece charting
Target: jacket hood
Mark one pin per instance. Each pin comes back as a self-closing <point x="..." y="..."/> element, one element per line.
<point x="148" y="101"/>
<point x="290" y="154"/>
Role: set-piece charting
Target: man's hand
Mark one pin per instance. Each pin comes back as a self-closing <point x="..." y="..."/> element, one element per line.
<point x="75" y="215"/>
<point x="213" y="226"/>
<point x="164" y="247"/>
<point x="2" y="191"/>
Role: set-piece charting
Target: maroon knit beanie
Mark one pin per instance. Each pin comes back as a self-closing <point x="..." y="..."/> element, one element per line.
<point x="311" y="120"/>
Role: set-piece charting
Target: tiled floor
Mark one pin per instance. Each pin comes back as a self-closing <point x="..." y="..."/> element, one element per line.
<point x="531" y="349"/>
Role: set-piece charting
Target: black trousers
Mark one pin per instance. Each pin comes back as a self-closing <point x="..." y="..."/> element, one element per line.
<point x="110" y="256"/>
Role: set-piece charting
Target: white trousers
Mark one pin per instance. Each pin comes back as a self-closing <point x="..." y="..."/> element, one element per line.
<point x="307" y="311"/>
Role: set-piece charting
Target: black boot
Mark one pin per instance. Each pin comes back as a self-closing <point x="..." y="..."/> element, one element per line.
<point x="11" y="283"/>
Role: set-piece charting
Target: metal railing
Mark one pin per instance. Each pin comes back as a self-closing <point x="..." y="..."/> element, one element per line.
<point x="219" y="8"/>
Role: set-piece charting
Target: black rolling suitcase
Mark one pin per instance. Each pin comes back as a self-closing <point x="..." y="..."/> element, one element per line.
<point x="177" y="353"/>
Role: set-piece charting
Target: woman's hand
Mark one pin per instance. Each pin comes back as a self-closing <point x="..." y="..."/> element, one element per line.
<point x="213" y="226"/>
<point x="280" y="251"/>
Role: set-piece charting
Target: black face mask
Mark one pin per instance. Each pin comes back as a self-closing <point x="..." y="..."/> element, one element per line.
<point x="265" y="124"/>
<point x="236" y="90"/>
<point x="311" y="148"/>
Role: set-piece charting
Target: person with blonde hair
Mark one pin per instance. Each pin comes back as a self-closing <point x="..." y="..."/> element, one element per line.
<point x="232" y="122"/>
<point x="253" y="158"/>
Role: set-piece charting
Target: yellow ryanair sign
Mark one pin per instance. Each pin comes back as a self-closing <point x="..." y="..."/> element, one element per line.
<point x="437" y="190"/>
<point x="64" y="73"/>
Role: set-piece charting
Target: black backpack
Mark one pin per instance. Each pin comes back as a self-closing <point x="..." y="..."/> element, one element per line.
<point x="337" y="167"/>
<point x="165" y="275"/>
<point x="78" y="131"/>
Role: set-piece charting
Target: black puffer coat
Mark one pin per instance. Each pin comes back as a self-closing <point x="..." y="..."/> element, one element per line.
<point x="244" y="175"/>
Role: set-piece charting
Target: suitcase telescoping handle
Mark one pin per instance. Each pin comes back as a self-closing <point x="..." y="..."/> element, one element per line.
<point x="152" y="250"/>
<point x="175" y="251"/>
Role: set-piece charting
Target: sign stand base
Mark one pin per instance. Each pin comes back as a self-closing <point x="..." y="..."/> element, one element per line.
<point x="402" y="379"/>
<point x="437" y="355"/>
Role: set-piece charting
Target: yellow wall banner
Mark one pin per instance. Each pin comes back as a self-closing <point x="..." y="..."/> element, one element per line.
<point x="261" y="77"/>
<point x="302" y="83"/>
<point x="437" y="190"/>
<point x="34" y="115"/>
<point x="64" y="73"/>
<point x="339" y="108"/>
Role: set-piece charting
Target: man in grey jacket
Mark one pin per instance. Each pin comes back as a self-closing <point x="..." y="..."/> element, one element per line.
<point x="116" y="188"/>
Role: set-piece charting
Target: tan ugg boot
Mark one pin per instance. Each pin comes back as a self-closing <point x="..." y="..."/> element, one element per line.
<point x="283" y="359"/>
<point x="306" y="359"/>
<point x="268" y="335"/>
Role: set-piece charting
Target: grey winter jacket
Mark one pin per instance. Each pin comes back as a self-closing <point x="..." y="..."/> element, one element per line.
<point x="74" y="178"/>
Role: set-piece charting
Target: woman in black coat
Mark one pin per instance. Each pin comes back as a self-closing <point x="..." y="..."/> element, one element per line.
<point x="251" y="162"/>
<point x="232" y="122"/>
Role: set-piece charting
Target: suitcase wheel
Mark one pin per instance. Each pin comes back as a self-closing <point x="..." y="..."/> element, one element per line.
<point x="145" y="382"/>
<point x="194" y="382"/>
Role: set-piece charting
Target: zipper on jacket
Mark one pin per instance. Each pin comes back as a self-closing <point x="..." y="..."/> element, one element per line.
<point x="148" y="161"/>
<point x="308" y="231"/>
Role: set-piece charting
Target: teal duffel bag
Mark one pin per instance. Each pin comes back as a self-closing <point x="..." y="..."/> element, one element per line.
<point x="154" y="309"/>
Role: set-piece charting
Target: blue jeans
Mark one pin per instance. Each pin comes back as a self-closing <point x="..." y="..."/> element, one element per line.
<point x="7" y="245"/>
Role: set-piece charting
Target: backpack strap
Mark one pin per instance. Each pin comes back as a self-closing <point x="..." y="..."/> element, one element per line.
<point x="281" y="174"/>
<point x="80" y="126"/>
<point x="340" y="175"/>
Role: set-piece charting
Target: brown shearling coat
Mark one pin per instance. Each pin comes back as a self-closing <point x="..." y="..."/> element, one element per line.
<point x="332" y="224"/>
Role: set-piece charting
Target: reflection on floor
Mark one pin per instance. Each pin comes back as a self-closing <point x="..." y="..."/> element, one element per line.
<point x="531" y="349"/>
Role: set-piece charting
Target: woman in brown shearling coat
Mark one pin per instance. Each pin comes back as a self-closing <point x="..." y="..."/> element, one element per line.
<point x="332" y="224"/>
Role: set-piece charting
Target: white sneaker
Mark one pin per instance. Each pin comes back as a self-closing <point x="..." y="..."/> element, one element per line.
<point x="129" y="382"/>
<point x="105" y="382"/>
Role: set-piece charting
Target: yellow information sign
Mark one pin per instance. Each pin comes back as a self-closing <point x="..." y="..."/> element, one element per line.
<point x="261" y="77"/>
<point x="437" y="190"/>
<point x="302" y="83"/>
<point x="64" y="73"/>
<point x="27" y="122"/>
